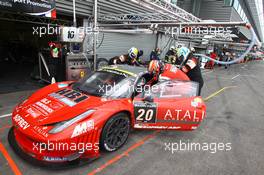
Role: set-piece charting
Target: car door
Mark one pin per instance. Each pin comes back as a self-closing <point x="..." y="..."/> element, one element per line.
<point x="170" y="104"/>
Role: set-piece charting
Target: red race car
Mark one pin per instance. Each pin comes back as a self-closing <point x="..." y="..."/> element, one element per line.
<point x="70" y="121"/>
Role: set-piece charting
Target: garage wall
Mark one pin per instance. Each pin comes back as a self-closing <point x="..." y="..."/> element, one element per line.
<point x="83" y="8"/>
<point x="115" y="44"/>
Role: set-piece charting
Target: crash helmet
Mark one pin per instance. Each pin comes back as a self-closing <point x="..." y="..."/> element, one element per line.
<point x="172" y="48"/>
<point x="154" y="67"/>
<point x="158" y="51"/>
<point x="192" y="49"/>
<point x="183" y="52"/>
<point x="133" y="53"/>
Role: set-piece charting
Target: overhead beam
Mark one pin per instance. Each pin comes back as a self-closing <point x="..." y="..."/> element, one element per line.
<point x="176" y="24"/>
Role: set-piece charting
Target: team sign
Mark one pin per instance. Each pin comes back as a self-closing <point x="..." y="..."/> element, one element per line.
<point x="33" y="7"/>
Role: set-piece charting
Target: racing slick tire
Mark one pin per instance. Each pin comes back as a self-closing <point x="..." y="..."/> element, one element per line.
<point x="101" y="62"/>
<point x="115" y="132"/>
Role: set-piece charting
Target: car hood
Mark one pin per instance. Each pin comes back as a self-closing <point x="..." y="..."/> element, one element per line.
<point x="56" y="106"/>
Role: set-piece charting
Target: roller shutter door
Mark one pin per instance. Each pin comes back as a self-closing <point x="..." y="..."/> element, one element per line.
<point x="117" y="43"/>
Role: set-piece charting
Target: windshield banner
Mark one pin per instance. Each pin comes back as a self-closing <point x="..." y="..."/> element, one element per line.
<point x="44" y="8"/>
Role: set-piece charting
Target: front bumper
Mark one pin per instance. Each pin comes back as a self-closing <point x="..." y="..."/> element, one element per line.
<point x="23" y="147"/>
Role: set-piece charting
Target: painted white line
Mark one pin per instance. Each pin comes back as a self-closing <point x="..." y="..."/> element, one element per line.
<point x="235" y="76"/>
<point x="5" y="115"/>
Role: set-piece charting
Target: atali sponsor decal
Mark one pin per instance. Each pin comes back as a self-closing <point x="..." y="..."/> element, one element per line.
<point x="183" y="115"/>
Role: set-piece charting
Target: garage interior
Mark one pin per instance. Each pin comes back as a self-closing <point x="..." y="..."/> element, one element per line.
<point x="19" y="47"/>
<point x="18" y="56"/>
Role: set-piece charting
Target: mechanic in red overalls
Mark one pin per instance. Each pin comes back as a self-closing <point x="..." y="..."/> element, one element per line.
<point x="211" y="63"/>
<point x="54" y="50"/>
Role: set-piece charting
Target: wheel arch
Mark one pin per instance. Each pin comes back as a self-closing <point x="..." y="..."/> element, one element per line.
<point x="122" y="111"/>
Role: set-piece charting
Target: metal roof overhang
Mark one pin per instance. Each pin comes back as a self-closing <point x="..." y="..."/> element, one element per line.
<point x="141" y="11"/>
<point x="117" y="10"/>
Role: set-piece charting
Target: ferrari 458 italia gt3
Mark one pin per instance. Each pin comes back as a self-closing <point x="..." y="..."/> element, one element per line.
<point x="69" y="121"/>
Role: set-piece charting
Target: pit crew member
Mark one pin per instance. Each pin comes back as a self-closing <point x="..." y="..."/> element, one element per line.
<point x="190" y="66"/>
<point x="171" y="56"/>
<point x="132" y="58"/>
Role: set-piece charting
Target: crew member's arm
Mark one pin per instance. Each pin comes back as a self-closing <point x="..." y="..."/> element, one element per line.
<point x="117" y="60"/>
<point x="191" y="63"/>
<point x="151" y="55"/>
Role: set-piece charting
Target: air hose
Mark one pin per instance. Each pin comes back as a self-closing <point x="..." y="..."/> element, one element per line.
<point x="253" y="41"/>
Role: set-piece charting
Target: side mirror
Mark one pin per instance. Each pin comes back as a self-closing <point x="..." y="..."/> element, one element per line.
<point x="148" y="99"/>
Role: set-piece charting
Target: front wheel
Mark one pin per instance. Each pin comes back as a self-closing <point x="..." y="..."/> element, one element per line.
<point x="115" y="132"/>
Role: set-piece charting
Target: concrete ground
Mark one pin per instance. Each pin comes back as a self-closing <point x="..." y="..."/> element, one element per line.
<point x="235" y="117"/>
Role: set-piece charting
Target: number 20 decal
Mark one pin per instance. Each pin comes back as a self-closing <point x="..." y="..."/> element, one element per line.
<point x="145" y="113"/>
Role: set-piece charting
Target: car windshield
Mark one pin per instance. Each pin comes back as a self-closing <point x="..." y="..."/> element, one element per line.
<point x="110" y="84"/>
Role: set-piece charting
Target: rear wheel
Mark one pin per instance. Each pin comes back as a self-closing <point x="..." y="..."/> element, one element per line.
<point x="115" y="132"/>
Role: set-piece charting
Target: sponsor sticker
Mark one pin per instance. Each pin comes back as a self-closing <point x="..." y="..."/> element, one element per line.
<point x="45" y="107"/>
<point x="83" y="128"/>
<point x="34" y="113"/>
<point x="182" y="115"/>
<point x="21" y="122"/>
<point x="69" y="97"/>
<point x="41" y="131"/>
<point x="145" y="112"/>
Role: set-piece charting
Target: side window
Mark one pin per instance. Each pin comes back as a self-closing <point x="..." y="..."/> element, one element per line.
<point x="142" y="84"/>
<point x="178" y="89"/>
<point x="172" y="89"/>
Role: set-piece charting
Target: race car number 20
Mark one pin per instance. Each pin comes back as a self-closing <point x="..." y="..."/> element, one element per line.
<point x="145" y="112"/>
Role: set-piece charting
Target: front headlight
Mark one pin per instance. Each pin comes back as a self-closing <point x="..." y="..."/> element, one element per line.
<point x="65" y="124"/>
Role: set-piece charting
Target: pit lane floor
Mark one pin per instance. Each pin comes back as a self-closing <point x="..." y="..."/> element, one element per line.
<point x="235" y="114"/>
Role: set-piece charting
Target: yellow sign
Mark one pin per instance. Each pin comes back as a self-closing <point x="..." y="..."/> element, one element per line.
<point x="82" y="74"/>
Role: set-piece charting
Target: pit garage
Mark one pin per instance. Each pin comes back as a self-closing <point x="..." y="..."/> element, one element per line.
<point x="18" y="46"/>
<point x="19" y="55"/>
<point x="216" y="133"/>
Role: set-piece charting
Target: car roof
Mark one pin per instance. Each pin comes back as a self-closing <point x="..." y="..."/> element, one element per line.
<point x="127" y="69"/>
